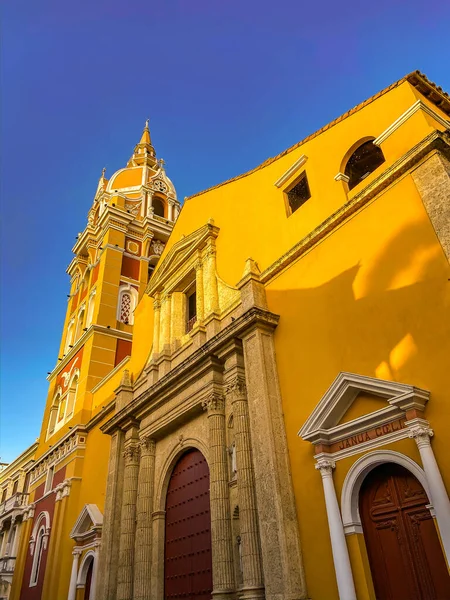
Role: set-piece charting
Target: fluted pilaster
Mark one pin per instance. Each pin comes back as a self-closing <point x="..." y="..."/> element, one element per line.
<point x="222" y="545"/>
<point x="144" y="533"/>
<point x="253" y="581"/>
<point x="128" y="523"/>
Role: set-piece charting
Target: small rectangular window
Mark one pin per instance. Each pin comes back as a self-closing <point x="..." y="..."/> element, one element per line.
<point x="191" y="306"/>
<point x="298" y="194"/>
<point x="15" y="486"/>
<point x="4" y="494"/>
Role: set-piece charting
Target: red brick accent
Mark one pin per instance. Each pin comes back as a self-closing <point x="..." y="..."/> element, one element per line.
<point x="78" y="358"/>
<point x="42" y="504"/>
<point x="130" y="267"/>
<point x="123" y="349"/>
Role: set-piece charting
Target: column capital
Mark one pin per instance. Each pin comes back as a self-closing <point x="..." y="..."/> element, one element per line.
<point x="76" y="552"/>
<point x="236" y="388"/>
<point x="421" y="433"/>
<point x="325" y="466"/>
<point x="198" y="265"/>
<point x="214" y="403"/>
<point x="131" y="454"/>
<point x="147" y="445"/>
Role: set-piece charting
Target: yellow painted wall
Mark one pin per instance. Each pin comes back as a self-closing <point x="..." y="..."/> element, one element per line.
<point x="372" y="298"/>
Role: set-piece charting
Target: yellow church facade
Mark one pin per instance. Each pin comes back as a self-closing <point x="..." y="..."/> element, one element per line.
<point x="251" y="394"/>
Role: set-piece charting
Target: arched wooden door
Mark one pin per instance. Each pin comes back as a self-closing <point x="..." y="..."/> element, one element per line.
<point x="404" y="551"/>
<point x="187" y="556"/>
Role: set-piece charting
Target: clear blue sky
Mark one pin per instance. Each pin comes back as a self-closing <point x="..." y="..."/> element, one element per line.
<point x="225" y="84"/>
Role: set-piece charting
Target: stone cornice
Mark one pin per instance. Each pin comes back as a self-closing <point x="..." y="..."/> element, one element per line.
<point x="254" y="317"/>
<point x="436" y="140"/>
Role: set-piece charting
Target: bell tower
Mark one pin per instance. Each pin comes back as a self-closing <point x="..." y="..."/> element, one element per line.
<point x="129" y="222"/>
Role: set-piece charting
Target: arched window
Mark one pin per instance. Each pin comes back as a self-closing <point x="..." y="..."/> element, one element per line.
<point x="38" y="543"/>
<point x="54" y="413"/>
<point x="90" y="309"/>
<point x="158" y="207"/>
<point x="71" y="396"/>
<point x="364" y="160"/>
<point x="69" y="336"/>
<point x="80" y="323"/>
<point x="37" y="556"/>
<point x="128" y="298"/>
<point x="61" y="410"/>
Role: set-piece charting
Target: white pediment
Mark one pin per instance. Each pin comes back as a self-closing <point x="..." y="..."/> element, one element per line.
<point x="323" y="425"/>
<point x="89" y="520"/>
<point x="180" y="253"/>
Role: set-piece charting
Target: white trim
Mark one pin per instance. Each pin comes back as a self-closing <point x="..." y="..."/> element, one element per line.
<point x="418" y="105"/>
<point x="83" y="569"/>
<point x="356" y="475"/>
<point x="292" y="169"/>
<point x="342" y="177"/>
<point x="322" y="426"/>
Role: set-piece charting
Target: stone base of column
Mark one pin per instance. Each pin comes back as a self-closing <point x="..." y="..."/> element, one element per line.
<point x="251" y="593"/>
<point x="223" y="595"/>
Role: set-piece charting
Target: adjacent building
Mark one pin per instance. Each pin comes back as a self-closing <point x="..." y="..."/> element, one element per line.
<point x="14" y="509"/>
<point x="251" y="398"/>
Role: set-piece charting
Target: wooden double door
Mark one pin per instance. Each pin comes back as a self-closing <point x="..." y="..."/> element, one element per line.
<point x="405" y="555"/>
<point x="188" y="558"/>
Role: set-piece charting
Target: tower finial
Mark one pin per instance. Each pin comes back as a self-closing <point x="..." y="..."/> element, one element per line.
<point x="146" y="123"/>
<point x="103" y="172"/>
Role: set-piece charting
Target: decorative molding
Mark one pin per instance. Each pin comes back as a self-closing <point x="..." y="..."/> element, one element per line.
<point x="418" y="105"/>
<point x="420" y="431"/>
<point x="323" y="426"/>
<point x="325" y="466"/>
<point x="342" y="177"/>
<point x="63" y="489"/>
<point x="147" y="444"/>
<point x="214" y="403"/>
<point x="292" y="169"/>
<point x="131" y="454"/>
<point x="236" y="389"/>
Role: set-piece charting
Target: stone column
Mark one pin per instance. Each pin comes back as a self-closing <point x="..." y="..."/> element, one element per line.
<point x="128" y="521"/>
<point x="144" y="522"/>
<point x="211" y="295"/>
<point x="250" y="550"/>
<point x="420" y="431"/>
<point x="199" y="290"/>
<point x="74" y="575"/>
<point x="165" y="323"/>
<point x="156" y="324"/>
<point x="221" y="535"/>
<point x="341" y="558"/>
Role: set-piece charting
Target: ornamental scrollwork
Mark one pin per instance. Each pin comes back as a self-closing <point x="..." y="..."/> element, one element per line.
<point x="147" y="444"/>
<point x="214" y="403"/>
<point x="131" y="454"/>
<point x="236" y="388"/>
<point x="325" y="466"/>
<point x="421" y="434"/>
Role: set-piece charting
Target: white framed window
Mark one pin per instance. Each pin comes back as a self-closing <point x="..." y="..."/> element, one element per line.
<point x="90" y="308"/>
<point x="80" y="320"/>
<point x="38" y="543"/>
<point x="37" y="556"/>
<point x="127" y="302"/>
<point x="69" y="336"/>
<point x="54" y="411"/>
<point x="71" y="395"/>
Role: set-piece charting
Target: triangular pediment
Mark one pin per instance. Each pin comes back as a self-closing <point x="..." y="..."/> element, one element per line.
<point x="89" y="520"/>
<point x="327" y="421"/>
<point x="181" y="252"/>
